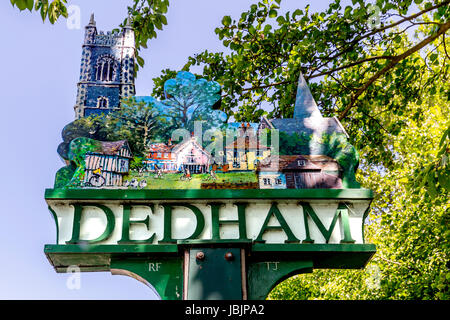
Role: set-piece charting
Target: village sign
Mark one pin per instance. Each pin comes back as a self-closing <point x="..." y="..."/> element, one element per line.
<point x="192" y="222"/>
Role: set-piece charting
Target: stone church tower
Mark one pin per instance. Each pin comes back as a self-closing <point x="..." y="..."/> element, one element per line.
<point x="107" y="70"/>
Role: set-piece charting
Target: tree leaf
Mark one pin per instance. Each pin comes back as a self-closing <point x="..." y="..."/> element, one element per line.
<point x="226" y="21"/>
<point x="273" y="13"/>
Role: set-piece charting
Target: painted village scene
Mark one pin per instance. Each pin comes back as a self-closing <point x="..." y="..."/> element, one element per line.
<point x="183" y="141"/>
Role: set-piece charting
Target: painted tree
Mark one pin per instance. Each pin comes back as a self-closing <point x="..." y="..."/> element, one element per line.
<point x="71" y="176"/>
<point x="138" y="122"/>
<point x="188" y="99"/>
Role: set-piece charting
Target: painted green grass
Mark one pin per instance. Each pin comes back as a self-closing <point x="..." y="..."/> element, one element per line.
<point x="172" y="180"/>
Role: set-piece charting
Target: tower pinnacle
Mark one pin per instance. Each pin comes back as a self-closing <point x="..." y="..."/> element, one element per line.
<point x="92" y="20"/>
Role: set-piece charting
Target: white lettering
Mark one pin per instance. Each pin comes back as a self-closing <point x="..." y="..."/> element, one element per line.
<point x="274" y="266"/>
<point x="191" y="310"/>
<point x="154" y="267"/>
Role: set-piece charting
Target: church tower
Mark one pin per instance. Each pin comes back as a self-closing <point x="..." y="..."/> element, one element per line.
<point x="107" y="70"/>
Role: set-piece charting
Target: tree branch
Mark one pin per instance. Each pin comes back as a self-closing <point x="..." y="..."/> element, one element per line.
<point x="401" y="21"/>
<point x="445" y="46"/>
<point x="263" y="87"/>
<point x="444" y="27"/>
<point x="375" y="31"/>
<point x="351" y="65"/>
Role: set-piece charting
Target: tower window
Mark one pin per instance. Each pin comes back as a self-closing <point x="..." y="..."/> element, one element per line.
<point x="102" y="103"/>
<point x="105" y="69"/>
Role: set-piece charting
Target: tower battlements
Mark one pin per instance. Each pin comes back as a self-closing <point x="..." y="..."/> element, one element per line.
<point x="108" y="39"/>
<point x="124" y="38"/>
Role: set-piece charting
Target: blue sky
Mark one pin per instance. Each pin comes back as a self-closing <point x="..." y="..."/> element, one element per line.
<point x="40" y="71"/>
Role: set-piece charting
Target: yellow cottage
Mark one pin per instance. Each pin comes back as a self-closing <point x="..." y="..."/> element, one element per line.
<point x="246" y="151"/>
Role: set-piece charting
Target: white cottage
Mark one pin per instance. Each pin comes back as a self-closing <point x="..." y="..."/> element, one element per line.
<point x="190" y="155"/>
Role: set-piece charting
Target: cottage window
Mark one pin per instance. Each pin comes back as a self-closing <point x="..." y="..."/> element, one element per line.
<point x="123" y="165"/>
<point x="278" y="181"/>
<point x="191" y="157"/>
<point x="301" y="163"/>
<point x="166" y="155"/>
<point x="267" y="182"/>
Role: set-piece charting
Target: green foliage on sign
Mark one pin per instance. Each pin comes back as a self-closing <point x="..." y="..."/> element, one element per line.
<point x="87" y="127"/>
<point x="137" y="164"/>
<point x="77" y="154"/>
<point x="137" y="122"/>
<point x="65" y="175"/>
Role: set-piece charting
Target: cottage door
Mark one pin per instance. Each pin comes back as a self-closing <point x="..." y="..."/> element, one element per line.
<point x="308" y="180"/>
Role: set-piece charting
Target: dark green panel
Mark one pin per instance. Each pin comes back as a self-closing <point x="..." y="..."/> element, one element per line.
<point x="79" y="259"/>
<point x="214" y="277"/>
<point x="263" y="276"/>
<point x="164" y="274"/>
